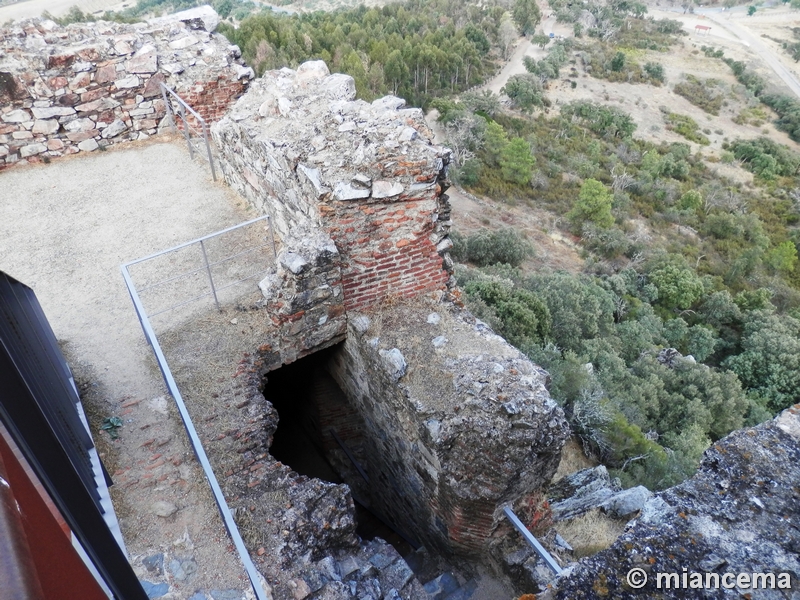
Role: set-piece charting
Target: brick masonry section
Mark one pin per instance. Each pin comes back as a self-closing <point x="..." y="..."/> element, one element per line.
<point x="299" y="146"/>
<point x="65" y="90"/>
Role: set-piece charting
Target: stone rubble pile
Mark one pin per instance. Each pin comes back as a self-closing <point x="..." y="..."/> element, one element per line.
<point x="86" y="86"/>
<point x="737" y="514"/>
<point x="592" y="488"/>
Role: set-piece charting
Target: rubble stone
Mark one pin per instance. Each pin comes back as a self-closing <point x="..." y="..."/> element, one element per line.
<point x="106" y="73"/>
<point x="737" y="514"/>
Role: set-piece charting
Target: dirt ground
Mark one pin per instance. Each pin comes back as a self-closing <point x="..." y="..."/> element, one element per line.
<point x="65" y="228"/>
<point x="27" y="9"/>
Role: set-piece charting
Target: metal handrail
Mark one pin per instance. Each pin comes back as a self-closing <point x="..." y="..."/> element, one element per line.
<point x="172" y="386"/>
<point x="182" y="107"/>
<point x="197" y="270"/>
<point x="531" y="539"/>
<point x="214" y="288"/>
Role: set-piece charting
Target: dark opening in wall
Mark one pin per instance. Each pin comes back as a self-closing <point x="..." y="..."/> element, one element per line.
<point x="313" y="412"/>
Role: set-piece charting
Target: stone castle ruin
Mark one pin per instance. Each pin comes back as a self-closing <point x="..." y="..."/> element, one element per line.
<point x="65" y="90"/>
<point x="431" y="420"/>
<point x="357" y="192"/>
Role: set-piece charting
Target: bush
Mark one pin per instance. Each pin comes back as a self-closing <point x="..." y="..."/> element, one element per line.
<point x="766" y="158"/>
<point x="505" y="246"/>
<point x="655" y="71"/>
<point x="524" y="318"/>
<point x="606" y="121"/>
<point x="703" y="94"/>
<point x="470" y="172"/>
<point x="678" y="287"/>
<point x="525" y="91"/>
<point x="687" y="127"/>
<point x="770" y="362"/>
<point x="593" y="205"/>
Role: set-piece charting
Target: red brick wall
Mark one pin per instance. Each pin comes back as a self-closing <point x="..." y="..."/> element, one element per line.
<point x="212" y="99"/>
<point x="386" y="248"/>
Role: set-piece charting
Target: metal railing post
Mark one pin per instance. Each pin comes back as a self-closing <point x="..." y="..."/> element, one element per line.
<point x="167" y="93"/>
<point x="168" y="108"/>
<point x="182" y="112"/>
<point x="272" y="238"/>
<point x="210" y="277"/>
<point x="540" y="550"/>
<point x="208" y="150"/>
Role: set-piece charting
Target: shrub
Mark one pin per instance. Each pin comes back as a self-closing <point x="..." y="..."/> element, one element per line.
<point x="603" y="120"/>
<point x="687" y="127"/>
<point x="770" y="362"/>
<point x="524" y="318"/>
<point x="516" y="162"/>
<point x="505" y="246"/>
<point x="655" y="71"/>
<point x="470" y="172"/>
<point x="593" y="205"/>
<point x="525" y="91"/>
<point x="703" y="94"/>
<point x="678" y="287"/>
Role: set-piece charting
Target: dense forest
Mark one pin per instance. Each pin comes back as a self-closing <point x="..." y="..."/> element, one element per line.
<point x="685" y="322"/>
<point x="420" y="49"/>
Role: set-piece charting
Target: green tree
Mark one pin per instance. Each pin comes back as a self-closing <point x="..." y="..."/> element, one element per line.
<point x="525" y="91"/>
<point x="618" y="62"/>
<point x="516" y="162"/>
<point x="526" y="15"/>
<point x="540" y="40"/>
<point x="580" y="309"/>
<point x="751" y="10"/>
<point x="783" y="257"/>
<point x="691" y="200"/>
<point x="395" y="70"/>
<point x="770" y="362"/>
<point x="494" y="143"/>
<point x="678" y="287"/>
<point x="593" y="204"/>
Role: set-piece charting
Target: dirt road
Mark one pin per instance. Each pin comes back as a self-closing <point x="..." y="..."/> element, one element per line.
<point x="728" y="20"/>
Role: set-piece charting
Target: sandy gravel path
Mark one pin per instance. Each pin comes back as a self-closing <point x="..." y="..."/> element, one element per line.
<point x="65" y="228"/>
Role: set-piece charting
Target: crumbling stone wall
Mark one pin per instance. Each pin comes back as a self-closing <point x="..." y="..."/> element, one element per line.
<point x="737" y="514"/>
<point x="304" y="297"/>
<point x="69" y="89"/>
<point x="457" y="422"/>
<point x="300" y="147"/>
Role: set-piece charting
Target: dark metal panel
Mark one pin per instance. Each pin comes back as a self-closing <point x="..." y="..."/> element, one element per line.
<point x="37" y="406"/>
<point x="36" y="355"/>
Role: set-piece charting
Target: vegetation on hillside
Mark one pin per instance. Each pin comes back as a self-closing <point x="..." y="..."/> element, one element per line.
<point x="676" y="257"/>
<point x="418" y="49"/>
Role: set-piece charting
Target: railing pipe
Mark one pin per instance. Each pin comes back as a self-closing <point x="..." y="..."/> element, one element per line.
<point x="194" y="439"/>
<point x="182" y="108"/>
<point x="531" y="539"/>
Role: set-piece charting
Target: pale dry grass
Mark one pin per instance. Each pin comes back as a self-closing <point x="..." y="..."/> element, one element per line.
<point x="591" y="532"/>
<point x="572" y="459"/>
